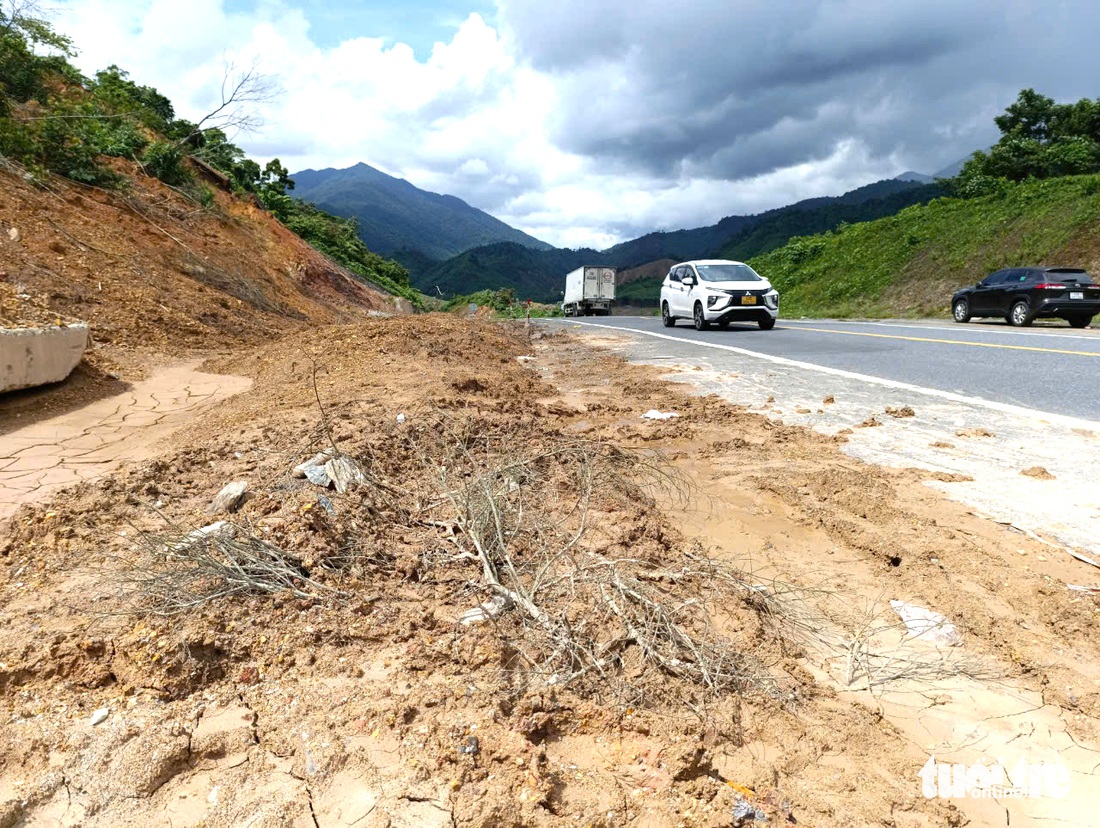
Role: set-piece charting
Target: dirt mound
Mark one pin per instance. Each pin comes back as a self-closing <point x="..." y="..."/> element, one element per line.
<point x="150" y="269"/>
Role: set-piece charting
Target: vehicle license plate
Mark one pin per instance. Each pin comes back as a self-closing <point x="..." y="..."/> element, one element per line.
<point x="748" y="300"/>
<point x="1076" y="294"/>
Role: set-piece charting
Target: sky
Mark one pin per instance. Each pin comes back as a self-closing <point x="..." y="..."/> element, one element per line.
<point x="588" y="122"/>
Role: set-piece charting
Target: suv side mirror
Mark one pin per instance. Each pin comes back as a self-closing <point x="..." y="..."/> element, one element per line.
<point x="688" y="280"/>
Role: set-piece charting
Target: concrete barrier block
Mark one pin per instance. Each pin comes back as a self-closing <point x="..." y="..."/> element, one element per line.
<point x="36" y="356"/>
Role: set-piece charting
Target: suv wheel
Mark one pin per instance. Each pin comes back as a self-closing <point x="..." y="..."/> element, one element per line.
<point x="961" y="311"/>
<point x="1020" y="315"/>
<point x="1079" y="321"/>
<point x="667" y="319"/>
<point x="698" y="317"/>
<point x="766" y="324"/>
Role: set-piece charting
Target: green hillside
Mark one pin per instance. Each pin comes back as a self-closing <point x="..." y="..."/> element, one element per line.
<point x="532" y="274"/>
<point x="777" y="226"/>
<point x="909" y="264"/>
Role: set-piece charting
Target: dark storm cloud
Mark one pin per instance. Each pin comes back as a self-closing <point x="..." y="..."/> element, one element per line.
<point x="732" y="89"/>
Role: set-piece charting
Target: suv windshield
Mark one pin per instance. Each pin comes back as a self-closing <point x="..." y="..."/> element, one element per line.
<point x="727" y="273"/>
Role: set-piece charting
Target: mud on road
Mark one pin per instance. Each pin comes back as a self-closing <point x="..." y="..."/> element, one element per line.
<point x="352" y="695"/>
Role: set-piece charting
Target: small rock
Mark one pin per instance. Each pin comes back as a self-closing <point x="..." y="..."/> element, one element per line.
<point x="1038" y="472"/>
<point x="99" y="716"/>
<point x="901" y="413"/>
<point x="870" y="422"/>
<point x="14" y="234"/>
<point x="229" y="498"/>
<point x="829" y="400"/>
<point x="472" y="746"/>
<point x="401" y="418"/>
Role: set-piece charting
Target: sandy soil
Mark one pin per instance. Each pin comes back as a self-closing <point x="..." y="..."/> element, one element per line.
<point x="352" y="695"/>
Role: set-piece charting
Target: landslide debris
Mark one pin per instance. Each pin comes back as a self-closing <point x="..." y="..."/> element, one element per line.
<point x="306" y="655"/>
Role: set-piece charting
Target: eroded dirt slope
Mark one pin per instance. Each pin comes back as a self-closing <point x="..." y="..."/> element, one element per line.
<point x="150" y="269"/>
<point x="351" y="695"/>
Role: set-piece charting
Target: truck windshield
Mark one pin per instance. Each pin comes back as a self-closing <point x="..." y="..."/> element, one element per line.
<point x="727" y="273"/>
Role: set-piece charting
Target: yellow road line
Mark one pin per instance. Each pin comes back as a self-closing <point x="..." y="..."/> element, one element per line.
<point x="951" y="341"/>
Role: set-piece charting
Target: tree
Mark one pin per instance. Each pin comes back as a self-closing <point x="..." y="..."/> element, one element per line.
<point x="30" y="50"/>
<point x="1039" y="139"/>
<point x="1030" y="116"/>
<point x="241" y="92"/>
<point x="273" y="183"/>
<point x="113" y="88"/>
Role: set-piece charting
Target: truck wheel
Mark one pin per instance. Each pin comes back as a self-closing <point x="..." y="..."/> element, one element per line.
<point x="698" y="317"/>
<point x="667" y="319"/>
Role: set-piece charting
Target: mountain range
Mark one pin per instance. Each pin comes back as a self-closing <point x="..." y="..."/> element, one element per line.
<point x="451" y="248"/>
<point x="394" y="215"/>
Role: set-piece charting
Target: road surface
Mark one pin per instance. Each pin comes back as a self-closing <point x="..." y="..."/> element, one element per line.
<point x="1048" y="368"/>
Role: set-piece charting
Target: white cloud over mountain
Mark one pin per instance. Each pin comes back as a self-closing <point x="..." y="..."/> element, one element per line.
<point x="586" y="122"/>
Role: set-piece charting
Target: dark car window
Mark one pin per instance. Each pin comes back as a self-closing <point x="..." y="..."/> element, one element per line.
<point x="674" y="275"/>
<point x="1067" y="274"/>
<point x="995" y="278"/>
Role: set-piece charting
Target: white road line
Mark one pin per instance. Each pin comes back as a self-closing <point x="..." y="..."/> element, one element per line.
<point x="1004" y="408"/>
<point x="956" y="329"/>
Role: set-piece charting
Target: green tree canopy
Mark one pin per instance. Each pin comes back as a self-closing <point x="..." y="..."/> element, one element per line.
<point x="1039" y="139"/>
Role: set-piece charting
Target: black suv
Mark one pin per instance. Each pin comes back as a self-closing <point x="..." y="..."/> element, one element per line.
<point x="1022" y="294"/>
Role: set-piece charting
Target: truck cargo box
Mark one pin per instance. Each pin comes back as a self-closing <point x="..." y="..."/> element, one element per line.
<point x="589" y="290"/>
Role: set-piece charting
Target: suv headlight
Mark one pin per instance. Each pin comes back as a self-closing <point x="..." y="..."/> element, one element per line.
<point x="771" y="298"/>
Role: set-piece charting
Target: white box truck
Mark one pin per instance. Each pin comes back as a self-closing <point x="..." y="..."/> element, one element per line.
<point x="589" y="291"/>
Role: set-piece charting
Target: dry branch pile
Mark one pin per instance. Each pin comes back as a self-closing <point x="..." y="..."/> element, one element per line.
<point x="528" y="528"/>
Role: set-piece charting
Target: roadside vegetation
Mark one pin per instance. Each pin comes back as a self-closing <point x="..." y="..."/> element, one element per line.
<point x="1034" y="198"/>
<point x="55" y="121"/>
<point x="502" y="303"/>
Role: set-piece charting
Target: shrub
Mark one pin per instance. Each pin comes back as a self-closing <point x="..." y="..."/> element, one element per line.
<point x="165" y="162"/>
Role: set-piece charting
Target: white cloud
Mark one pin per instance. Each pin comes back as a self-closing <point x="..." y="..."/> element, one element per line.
<point x="589" y="122"/>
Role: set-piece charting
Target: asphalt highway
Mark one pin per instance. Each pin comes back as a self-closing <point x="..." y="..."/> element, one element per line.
<point x="1049" y="367"/>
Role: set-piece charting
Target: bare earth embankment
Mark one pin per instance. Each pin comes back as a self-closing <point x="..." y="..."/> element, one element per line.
<point x="670" y="622"/>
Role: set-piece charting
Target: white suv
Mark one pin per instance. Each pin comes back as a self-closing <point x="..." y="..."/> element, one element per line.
<point x="717" y="291"/>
